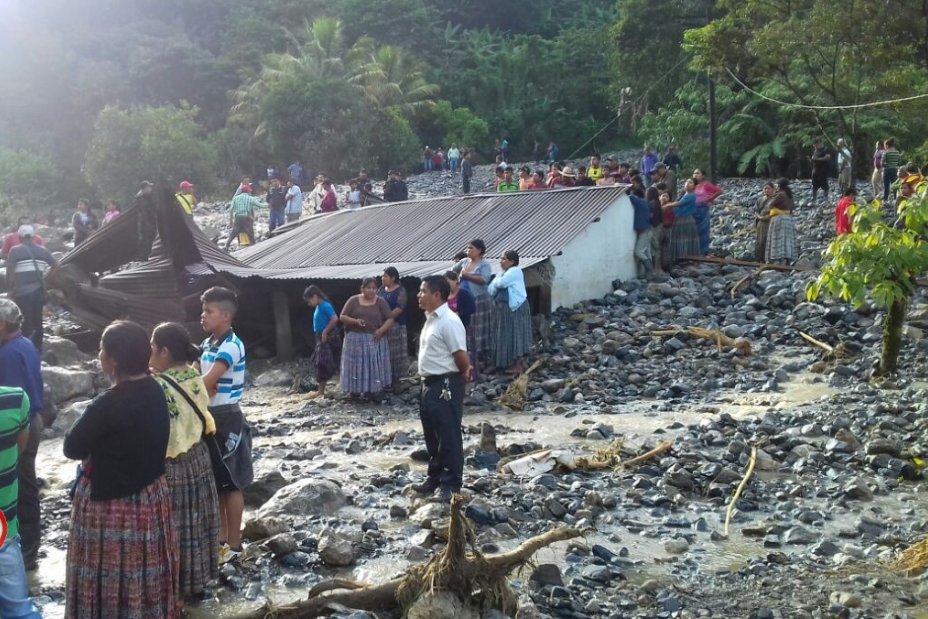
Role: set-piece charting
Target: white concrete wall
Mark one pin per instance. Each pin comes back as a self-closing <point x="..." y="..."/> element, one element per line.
<point x="603" y="252"/>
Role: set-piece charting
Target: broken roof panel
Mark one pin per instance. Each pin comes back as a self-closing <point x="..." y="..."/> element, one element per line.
<point x="537" y="224"/>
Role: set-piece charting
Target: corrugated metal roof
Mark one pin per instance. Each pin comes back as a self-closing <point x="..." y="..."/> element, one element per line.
<point x="426" y="233"/>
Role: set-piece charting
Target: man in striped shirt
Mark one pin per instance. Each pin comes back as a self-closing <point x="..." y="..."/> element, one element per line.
<point x="892" y="159"/>
<point x="14" y="433"/>
<point x="222" y="364"/>
<point x="243" y="210"/>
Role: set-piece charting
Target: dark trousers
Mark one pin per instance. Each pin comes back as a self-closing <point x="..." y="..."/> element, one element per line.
<point x="30" y="526"/>
<point x="242" y="225"/>
<point x="441" y="424"/>
<point x="276" y="219"/>
<point x="466" y="182"/>
<point x="31" y="306"/>
<point x="889" y="177"/>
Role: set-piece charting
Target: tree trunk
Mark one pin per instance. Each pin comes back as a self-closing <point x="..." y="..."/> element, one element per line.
<point x="892" y="337"/>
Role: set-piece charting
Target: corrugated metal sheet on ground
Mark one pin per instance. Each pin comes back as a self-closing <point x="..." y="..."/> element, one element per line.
<point x="537" y="224"/>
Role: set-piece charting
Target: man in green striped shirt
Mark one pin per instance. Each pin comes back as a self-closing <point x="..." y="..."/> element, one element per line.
<point x="243" y="210"/>
<point x="14" y="433"/>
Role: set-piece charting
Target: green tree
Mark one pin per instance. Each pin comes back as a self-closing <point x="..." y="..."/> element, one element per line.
<point x="156" y="143"/>
<point x="30" y="181"/>
<point x="444" y="124"/>
<point x="881" y="261"/>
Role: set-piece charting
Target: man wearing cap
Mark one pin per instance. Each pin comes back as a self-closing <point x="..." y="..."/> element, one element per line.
<point x="185" y="197"/>
<point x="20" y="367"/>
<point x="444" y="367"/>
<point x="395" y="189"/>
<point x="242" y="211"/>
<point x="662" y="174"/>
<point x="25" y="271"/>
<point x="12" y="239"/>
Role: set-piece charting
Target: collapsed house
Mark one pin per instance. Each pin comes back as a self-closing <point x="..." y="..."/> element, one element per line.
<point x="572" y="243"/>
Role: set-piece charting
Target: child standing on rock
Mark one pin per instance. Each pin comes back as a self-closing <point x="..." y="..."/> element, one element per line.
<point x="223" y="367"/>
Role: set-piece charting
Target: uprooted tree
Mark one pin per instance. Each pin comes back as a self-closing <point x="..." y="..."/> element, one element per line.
<point x="454" y="583"/>
<point x="882" y="261"/>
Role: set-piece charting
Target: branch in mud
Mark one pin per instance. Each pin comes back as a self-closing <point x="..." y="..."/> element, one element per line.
<point x="713" y="335"/>
<point x="472" y="578"/>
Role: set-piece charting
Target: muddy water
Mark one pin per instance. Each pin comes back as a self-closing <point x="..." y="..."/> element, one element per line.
<point x="635" y="422"/>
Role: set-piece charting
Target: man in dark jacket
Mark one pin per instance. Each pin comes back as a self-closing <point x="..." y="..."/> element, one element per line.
<point x="467" y="171"/>
<point x="395" y="190"/>
<point x="277" y="201"/>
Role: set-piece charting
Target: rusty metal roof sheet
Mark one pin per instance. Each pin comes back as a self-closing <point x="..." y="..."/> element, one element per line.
<point x="424" y="235"/>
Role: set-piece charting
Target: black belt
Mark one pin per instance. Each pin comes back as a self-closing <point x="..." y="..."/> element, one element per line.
<point x="428" y="380"/>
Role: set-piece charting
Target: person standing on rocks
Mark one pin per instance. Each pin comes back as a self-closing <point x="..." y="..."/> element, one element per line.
<point x="444" y="368"/>
<point x="122" y="545"/>
<point x="186" y="198"/>
<point x="393" y="292"/>
<point x="892" y="159"/>
<point x="277" y="201"/>
<point x="821" y="162"/>
<point x="665" y="175"/>
<point x="365" y="368"/>
<point x="706" y="193"/>
<point x="329" y="203"/>
<point x="84" y="222"/>
<point x="463" y="304"/>
<point x="475" y="272"/>
<point x="20" y="366"/>
<point x="648" y="160"/>
<point x="222" y="364"/>
<point x="782" y="246"/>
<point x="427" y="159"/>
<point x="395" y="189"/>
<point x="642" y="225"/>
<point x="842" y="216"/>
<point x="327" y="349"/>
<point x="454" y="158"/>
<point x="513" y="329"/>
<point x="294" y="200"/>
<point x="25" y="280"/>
<point x="876" y="178"/>
<point x="467" y="172"/>
<point x="762" y="219"/>
<point x="242" y="211"/>
<point x="652" y="195"/>
<point x="188" y="468"/>
<point x="845" y="166"/>
<point x="684" y="239"/>
<point x="672" y="159"/>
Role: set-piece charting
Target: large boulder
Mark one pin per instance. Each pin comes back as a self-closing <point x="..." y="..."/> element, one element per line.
<point x="63" y="384"/>
<point x="336" y="551"/>
<point x="306" y="497"/>
<point x="276" y="377"/>
<point x="69" y="414"/>
<point x="60" y="351"/>
<point x="267" y="481"/>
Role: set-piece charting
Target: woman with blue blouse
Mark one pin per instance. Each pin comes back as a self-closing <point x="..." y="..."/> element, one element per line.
<point x="475" y="272"/>
<point x="513" y="315"/>
<point x="328" y="345"/>
<point x="684" y="238"/>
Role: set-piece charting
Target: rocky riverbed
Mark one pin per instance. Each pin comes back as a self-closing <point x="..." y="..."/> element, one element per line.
<point x="836" y="491"/>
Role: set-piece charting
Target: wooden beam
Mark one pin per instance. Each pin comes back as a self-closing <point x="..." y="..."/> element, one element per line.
<point x="748" y="263"/>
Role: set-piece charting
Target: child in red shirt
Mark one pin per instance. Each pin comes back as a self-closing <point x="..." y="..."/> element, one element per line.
<point x="842" y="217"/>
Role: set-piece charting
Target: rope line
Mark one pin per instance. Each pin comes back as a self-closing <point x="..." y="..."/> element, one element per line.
<point x="822" y="107"/>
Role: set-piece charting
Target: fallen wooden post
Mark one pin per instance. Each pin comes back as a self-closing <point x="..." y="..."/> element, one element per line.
<point x="713" y="335"/>
<point x="657" y="451"/>
<point x="826" y="347"/>
<point x="744" y="482"/>
<point x="749" y="263"/>
<point x="747" y="278"/>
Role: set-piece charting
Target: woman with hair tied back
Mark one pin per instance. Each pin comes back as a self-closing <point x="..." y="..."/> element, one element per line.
<point x="393" y="292"/>
<point x="188" y="468"/>
<point x="122" y="546"/>
<point x="513" y="315"/>
<point x="327" y="347"/>
<point x="474" y="272"/>
<point x="365" y="368"/>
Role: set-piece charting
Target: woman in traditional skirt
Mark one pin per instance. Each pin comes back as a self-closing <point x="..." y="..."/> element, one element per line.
<point x="762" y="218"/>
<point x="513" y="315"/>
<point x="327" y="351"/>
<point x="365" y="369"/>
<point x="475" y="272"/>
<point x="188" y="469"/>
<point x="706" y="193"/>
<point x="122" y="546"/>
<point x="684" y="240"/>
<point x="395" y="295"/>
<point x="782" y="247"/>
<point x="463" y="304"/>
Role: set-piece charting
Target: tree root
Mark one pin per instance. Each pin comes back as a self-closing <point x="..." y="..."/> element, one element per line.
<point x="517" y="391"/>
<point x="713" y="335"/>
<point x="473" y="577"/>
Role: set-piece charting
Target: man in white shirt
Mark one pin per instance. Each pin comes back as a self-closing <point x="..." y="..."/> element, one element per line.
<point x="845" y="167"/>
<point x="444" y="367"/>
<point x="294" y="200"/>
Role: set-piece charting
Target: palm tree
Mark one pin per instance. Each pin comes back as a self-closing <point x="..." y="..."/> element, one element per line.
<point x="391" y="78"/>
